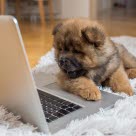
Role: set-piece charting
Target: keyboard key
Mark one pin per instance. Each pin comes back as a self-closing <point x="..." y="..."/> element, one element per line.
<point x="63" y="111"/>
<point x="70" y="109"/>
<point x="57" y="114"/>
<point x="71" y="105"/>
<point x="76" y="107"/>
<point x="66" y="103"/>
<point x="64" y="107"/>
<point x="47" y="115"/>
<point x="52" y="118"/>
<point x="48" y="120"/>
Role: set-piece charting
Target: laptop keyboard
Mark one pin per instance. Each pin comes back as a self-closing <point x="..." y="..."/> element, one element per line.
<point x="55" y="107"/>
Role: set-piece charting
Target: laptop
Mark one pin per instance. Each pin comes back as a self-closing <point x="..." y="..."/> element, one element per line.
<point x="37" y="98"/>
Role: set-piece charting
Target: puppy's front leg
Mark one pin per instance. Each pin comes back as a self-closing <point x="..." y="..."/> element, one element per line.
<point x="82" y="86"/>
<point x="119" y="81"/>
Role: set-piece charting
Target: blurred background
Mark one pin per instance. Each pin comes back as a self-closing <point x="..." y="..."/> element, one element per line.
<point x="38" y="17"/>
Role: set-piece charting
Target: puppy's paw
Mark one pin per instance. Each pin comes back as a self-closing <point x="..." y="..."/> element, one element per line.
<point x="131" y="73"/>
<point x="130" y="93"/>
<point x="127" y="90"/>
<point x="90" y="94"/>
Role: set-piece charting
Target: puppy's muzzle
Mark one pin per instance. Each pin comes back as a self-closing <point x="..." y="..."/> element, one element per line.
<point x="71" y="67"/>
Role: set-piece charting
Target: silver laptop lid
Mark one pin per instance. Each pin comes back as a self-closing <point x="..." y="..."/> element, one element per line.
<point x="17" y="90"/>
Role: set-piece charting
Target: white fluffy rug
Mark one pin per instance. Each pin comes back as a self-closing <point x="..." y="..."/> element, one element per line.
<point x="118" y="121"/>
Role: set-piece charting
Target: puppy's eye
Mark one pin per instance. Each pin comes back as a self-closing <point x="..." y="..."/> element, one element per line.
<point x="96" y="44"/>
<point x="60" y="49"/>
<point x="77" y="52"/>
<point x="66" y="49"/>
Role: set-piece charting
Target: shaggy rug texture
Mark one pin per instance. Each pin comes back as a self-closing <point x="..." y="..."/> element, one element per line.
<point x="118" y="121"/>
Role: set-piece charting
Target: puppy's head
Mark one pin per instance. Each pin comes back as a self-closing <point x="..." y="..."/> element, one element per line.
<point x="79" y="46"/>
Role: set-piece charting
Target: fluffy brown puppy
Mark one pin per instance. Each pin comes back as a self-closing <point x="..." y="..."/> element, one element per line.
<point x="87" y="57"/>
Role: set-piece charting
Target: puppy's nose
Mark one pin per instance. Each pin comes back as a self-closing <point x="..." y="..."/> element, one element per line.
<point x="64" y="61"/>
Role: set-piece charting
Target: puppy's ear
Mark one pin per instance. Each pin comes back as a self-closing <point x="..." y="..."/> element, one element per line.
<point x="56" y="28"/>
<point x="93" y="35"/>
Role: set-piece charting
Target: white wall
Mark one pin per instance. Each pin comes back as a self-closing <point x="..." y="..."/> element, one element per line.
<point x="57" y="4"/>
<point x="104" y="4"/>
<point x="75" y="8"/>
<point x="81" y="8"/>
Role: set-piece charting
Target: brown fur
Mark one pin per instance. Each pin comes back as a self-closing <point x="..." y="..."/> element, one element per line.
<point x="87" y="57"/>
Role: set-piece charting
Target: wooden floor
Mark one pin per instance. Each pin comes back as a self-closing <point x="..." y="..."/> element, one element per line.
<point x="38" y="39"/>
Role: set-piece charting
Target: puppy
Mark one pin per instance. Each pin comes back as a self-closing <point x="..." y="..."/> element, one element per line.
<point x="87" y="57"/>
